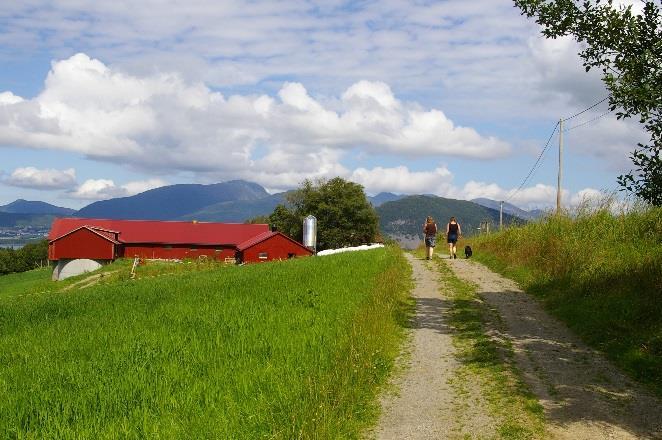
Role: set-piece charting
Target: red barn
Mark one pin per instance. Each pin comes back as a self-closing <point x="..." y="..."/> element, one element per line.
<point x="80" y="245"/>
<point x="270" y="246"/>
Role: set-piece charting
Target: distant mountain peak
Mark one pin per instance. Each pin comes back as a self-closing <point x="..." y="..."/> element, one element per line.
<point x="174" y="201"/>
<point x="22" y="206"/>
<point x="508" y="208"/>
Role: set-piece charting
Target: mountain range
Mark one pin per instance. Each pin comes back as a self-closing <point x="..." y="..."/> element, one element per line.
<point x="237" y="201"/>
<point x="25" y="213"/>
<point x="182" y="202"/>
<point x="509" y="208"/>
<point x="21" y="206"/>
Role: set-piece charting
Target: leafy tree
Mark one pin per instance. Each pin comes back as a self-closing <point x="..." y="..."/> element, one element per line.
<point x="628" y="49"/>
<point x="28" y="257"/>
<point x="260" y="219"/>
<point x="344" y="216"/>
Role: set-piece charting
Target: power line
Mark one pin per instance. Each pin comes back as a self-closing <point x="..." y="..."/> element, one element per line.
<point x="535" y="165"/>
<point x="587" y="109"/>
<point x="588" y="122"/>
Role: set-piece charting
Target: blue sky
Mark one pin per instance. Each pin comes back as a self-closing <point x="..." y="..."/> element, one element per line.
<point x="105" y="99"/>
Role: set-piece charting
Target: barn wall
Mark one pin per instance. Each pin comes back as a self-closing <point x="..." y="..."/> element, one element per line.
<point x="176" y="252"/>
<point x="81" y="244"/>
<point x="276" y="248"/>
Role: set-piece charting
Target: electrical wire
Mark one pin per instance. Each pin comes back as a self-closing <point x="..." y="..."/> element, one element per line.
<point x="586" y="109"/>
<point x="587" y="122"/>
<point x="535" y="165"/>
<point x="539" y="162"/>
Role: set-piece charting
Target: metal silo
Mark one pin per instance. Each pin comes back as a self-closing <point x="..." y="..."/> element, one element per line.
<point x="310" y="232"/>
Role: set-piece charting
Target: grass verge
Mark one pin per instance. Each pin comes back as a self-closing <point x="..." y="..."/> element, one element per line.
<point x="293" y="349"/>
<point x="489" y="362"/>
<point x="598" y="272"/>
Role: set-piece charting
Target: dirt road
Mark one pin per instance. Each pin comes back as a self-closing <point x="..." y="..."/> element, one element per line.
<point x="583" y="395"/>
<point x="425" y="405"/>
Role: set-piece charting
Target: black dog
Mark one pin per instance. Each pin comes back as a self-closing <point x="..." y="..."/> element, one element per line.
<point x="467" y="251"/>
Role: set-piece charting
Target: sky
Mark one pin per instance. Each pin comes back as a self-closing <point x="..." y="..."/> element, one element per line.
<point x="455" y="98"/>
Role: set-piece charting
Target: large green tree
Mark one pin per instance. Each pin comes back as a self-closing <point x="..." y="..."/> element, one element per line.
<point x="627" y="47"/>
<point x="344" y="216"/>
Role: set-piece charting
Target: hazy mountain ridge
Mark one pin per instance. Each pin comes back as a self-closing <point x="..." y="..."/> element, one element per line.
<point x="384" y="197"/>
<point x="510" y="208"/>
<point x="237" y="201"/>
<point x="21" y="206"/>
<point x="173" y="201"/>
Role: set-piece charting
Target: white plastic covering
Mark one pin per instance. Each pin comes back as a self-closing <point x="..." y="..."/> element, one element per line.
<point x="69" y="268"/>
<point x="364" y="247"/>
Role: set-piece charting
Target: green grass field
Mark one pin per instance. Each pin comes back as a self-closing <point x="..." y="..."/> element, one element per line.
<point x="293" y="349"/>
<point x="598" y="272"/>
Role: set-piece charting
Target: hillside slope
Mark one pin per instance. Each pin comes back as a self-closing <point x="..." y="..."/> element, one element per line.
<point x="174" y="201"/>
<point x="21" y="206"/>
<point x="509" y="208"/>
<point x="203" y="351"/>
<point x="11" y="220"/>
<point x="236" y="211"/>
<point x="402" y="220"/>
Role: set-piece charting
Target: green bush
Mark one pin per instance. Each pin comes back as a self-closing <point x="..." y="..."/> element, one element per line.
<point x="30" y="256"/>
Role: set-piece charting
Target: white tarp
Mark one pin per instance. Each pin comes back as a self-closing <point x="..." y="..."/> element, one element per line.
<point x="364" y="247"/>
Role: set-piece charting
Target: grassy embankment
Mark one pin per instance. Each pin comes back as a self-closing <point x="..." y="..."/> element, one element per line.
<point x="291" y="349"/>
<point x="487" y="362"/>
<point x="600" y="273"/>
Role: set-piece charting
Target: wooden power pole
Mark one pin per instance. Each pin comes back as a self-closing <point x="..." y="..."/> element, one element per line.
<point x="558" y="184"/>
<point x="500" y="215"/>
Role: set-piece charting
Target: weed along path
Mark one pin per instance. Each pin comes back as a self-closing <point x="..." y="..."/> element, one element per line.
<point x="423" y="401"/>
<point x="583" y="395"/>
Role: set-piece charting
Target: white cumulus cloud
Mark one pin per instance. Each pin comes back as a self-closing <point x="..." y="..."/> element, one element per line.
<point x="163" y="122"/>
<point x="46" y="179"/>
<point x="403" y="181"/>
<point x="101" y="189"/>
<point x="532" y="197"/>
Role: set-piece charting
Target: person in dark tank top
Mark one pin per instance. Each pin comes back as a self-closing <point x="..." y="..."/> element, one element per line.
<point x="453" y="232"/>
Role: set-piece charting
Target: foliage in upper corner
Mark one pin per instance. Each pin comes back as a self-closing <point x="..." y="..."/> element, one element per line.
<point x="344" y="216"/>
<point x="628" y="49"/>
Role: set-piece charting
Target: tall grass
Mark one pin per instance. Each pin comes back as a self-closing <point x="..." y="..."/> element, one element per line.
<point x="598" y="271"/>
<point x="290" y="349"/>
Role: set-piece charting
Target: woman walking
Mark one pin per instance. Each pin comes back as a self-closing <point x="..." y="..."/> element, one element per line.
<point x="453" y="232"/>
<point x="430" y="232"/>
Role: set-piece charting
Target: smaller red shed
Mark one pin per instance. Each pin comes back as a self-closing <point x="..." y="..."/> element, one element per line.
<point x="270" y="246"/>
<point x="99" y="243"/>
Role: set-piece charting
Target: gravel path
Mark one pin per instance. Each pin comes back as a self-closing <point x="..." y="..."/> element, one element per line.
<point x="425" y="406"/>
<point x="583" y="395"/>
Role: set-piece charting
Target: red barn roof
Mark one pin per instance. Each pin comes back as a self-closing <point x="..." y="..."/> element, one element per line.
<point x="169" y="232"/>
<point x="103" y="233"/>
<point x="264" y="236"/>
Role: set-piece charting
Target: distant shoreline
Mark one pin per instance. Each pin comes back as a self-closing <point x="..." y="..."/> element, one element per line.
<point x="16" y="243"/>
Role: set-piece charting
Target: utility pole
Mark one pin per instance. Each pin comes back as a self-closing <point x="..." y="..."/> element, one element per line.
<point x="558" y="185"/>
<point x="500" y="215"/>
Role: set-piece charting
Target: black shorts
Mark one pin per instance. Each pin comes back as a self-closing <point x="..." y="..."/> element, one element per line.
<point x="430" y="241"/>
<point x="452" y="238"/>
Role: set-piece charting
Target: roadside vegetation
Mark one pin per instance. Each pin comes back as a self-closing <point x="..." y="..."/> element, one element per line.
<point x="273" y="350"/>
<point x="30" y="256"/>
<point x="599" y="272"/>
